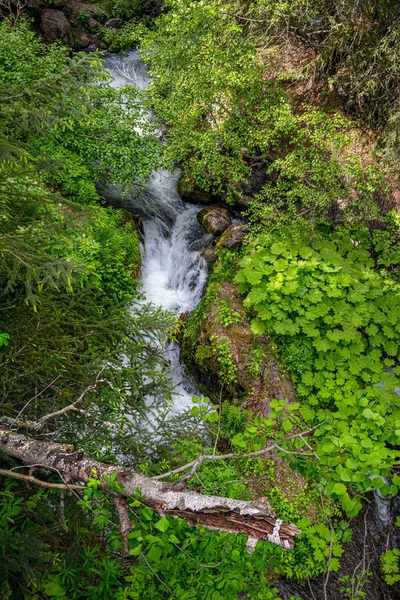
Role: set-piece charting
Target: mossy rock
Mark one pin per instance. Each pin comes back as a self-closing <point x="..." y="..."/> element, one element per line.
<point x="259" y="376"/>
<point x="232" y="237"/>
<point x="214" y="219"/>
<point x="190" y="192"/>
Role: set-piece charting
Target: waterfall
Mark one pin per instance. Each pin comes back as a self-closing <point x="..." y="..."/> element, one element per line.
<point x="174" y="272"/>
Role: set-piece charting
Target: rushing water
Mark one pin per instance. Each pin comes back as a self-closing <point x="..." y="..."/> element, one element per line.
<point x="174" y="272"/>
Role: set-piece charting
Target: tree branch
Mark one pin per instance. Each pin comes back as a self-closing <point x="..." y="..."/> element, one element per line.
<point x="257" y="519"/>
<point x="194" y="464"/>
<point x="35" y="481"/>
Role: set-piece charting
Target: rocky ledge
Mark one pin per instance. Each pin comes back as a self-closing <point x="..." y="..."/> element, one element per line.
<point x="219" y="346"/>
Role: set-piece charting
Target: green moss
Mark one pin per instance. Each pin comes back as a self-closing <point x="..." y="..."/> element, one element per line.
<point x="196" y="319"/>
<point x="226" y="268"/>
<point x="202" y="354"/>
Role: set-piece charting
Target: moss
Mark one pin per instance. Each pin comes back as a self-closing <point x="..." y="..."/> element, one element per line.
<point x="219" y="347"/>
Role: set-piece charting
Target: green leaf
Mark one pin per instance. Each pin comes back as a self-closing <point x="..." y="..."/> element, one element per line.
<point x="278" y="248"/>
<point x="258" y="327"/>
<point x="136" y="551"/>
<point x="339" y="489"/>
<point x="235" y="555"/>
<point x="172" y="538"/>
<point x="326" y="446"/>
<point x="238" y="440"/>
<point x="154" y="553"/>
<point x="344" y="474"/>
<point x="162" y="524"/>
<point x="54" y="589"/>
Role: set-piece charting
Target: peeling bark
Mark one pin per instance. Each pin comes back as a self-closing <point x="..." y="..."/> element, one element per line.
<point x="256" y="518"/>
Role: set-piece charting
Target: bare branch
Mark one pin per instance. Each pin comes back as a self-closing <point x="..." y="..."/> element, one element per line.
<point x="39" y="425"/>
<point x="269" y="449"/>
<point x="40" y="482"/>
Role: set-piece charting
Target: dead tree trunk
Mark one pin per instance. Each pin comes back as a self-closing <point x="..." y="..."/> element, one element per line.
<point x="256" y="519"/>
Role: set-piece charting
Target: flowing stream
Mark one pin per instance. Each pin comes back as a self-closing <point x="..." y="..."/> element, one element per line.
<point x="174" y="272"/>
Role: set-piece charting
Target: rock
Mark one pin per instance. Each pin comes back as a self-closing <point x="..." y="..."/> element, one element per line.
<point x="55" y="26"/>
<point x="232" y="237"/>
<point x="83" y="41"/>
<point x="92" y="23"/>
<point x="189" y="192"/>
<point x="257" y="180"/>
<point x="113" y="23"/>
<point x="214" y="219"/>
<point x="95" y="12"/>
<point x="259" y="376"/>
<point x="209" y="255"/>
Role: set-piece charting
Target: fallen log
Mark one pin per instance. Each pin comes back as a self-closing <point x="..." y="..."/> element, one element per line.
<point x="257" y="519"/>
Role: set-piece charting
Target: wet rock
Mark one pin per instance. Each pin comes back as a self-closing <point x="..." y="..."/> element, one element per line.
<point x="209" y="255"/>
<point x="113" y="23"/>
<point x="214" y="219"/>
<point x="232" y="237"/>
<point x="189" y="192"/>
<point x="54" y="26"/>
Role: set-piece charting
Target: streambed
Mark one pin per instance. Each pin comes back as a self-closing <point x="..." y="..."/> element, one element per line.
<point x="174" y="272"/>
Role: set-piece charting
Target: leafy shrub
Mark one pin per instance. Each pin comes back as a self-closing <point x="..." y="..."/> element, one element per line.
<point x="327" y="296"/>
<point x="390" y="566"/>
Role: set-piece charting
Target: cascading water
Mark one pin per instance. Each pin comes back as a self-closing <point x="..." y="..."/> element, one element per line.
<point x="174" y="272"/>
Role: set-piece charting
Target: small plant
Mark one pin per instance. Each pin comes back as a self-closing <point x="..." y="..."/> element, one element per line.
<point x="202" y="354"/>
<point x="203" y="409"/>
<point x="4" y="338"/>
<point x="83" y="17"/>
<point x="258" y="358"/>
<point x="228" y="371"/>
<point x="352" y="586"/>
<point x="390" y="566"/>
<point x="228" y="316"/>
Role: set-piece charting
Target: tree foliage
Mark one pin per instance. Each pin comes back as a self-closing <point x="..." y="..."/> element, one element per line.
<point x="227" y="115"/>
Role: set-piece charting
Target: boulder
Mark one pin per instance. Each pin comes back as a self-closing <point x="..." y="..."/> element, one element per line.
<point x="92" y="23"/>
<point x="257" y="180"/>
<point x="232" y="237"/>
<point x="259" y="377"/>
<point x="209" y="255"/>
<point x="55" y="26"/>
<point x="189" y="192"/>
<point x="113" y="23"/>
<point x="214" y="219"/>
<point x="82" y="41"/>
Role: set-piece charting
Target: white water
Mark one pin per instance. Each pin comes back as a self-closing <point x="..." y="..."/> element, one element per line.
<point x="173" y="271"/>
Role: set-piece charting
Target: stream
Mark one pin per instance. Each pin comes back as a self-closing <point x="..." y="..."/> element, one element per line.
<point x="174" y="273"/>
